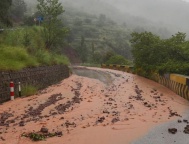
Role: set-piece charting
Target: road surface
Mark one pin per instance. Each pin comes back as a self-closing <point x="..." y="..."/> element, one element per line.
<point x="97" y="106"/>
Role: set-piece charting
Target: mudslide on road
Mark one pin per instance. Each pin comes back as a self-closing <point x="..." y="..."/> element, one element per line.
<point x="101" y="106"/>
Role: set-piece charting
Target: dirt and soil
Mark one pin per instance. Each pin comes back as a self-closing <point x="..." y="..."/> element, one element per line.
<point x="85" y="110"/>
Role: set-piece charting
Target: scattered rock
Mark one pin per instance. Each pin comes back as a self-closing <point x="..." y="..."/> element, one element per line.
<point x="100" y="120"/>
<point x="2" y="138"/>
<point x="186" y="121"/>
<point x="61" y="118"/>
<point x="59" y="133"/>
<point x="171" y="113"/>
<point x="186" y="129"/>
<point x="172" y="130"/>
<point x="114" y="120"/>
<point x="21" y="123"/>
<point x="68" y="124"/>
<point x="106" y="111"/>
<point x="44" y="130"/>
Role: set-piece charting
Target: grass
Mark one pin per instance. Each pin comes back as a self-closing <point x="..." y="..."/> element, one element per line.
<point x="25" y="47"/>
<point x="29" y="90"/>
<point x="44" y="57"/>
<point x="15" y="58"/>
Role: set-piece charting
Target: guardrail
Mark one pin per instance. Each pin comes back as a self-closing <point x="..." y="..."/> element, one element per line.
<point x="175" y="82"/>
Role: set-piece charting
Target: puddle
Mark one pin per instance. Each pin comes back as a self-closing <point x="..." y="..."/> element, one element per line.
<point x="94" y="74"/>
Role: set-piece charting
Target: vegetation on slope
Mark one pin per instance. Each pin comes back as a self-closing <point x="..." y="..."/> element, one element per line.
<point x="23" y="47"/>
<point x="95" y="36"/>
<point x="155" y="55"/>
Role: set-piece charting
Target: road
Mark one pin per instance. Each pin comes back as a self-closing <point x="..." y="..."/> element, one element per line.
<point x="160" y="135"/>
<point x="97" y="106"/>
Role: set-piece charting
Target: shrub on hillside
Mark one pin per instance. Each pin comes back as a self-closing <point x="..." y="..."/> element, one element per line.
<point x="15" y="58"/>
<point x="46" y="58"/>
<point x="118" y="59"/>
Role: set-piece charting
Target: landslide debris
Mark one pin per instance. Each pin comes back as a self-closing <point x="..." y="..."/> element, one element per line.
<point x="42" y="134"/>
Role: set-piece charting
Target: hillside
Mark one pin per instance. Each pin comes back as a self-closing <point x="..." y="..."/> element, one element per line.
<point x="169" y="13"/>
<point x="101" y="27"/>
<point x="93" y="35"/>
<point x="163" y="17"/>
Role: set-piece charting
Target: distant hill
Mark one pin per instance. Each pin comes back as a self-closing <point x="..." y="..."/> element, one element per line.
<point x="163" y="17"/>
<point x="169" y="13"/>
<point x="98" y="27"/>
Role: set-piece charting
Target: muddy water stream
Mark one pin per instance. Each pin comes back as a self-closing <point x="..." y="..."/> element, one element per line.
<point x="94" y="74"/>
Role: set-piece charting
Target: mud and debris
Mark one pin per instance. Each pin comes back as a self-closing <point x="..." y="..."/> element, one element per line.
<point x="172" y="130"/>
<point x="79" y="108"/>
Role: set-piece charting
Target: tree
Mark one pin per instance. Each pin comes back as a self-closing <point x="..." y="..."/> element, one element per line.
<point x="18" y="9"/>
<point x="118" y="59"/>
<point x="4" y="13"/>
<point x="52" y="26"/>
<point x="101" y="20"/>
<point x="152" y="54"/>
<point x="83" y="50"/>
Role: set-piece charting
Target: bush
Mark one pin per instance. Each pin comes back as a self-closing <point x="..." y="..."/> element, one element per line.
<point x="25" y="47"/>
<point x="46" y="58"/>
<point x="29" y="90"/>
<point x="15" y="58"/>
<point x="29" y="38"/>
<point x="118" y="59"/>
<point x="60" y="59"/>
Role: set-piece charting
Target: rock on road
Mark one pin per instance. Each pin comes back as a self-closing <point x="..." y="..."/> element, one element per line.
<point x="120" y="108"/>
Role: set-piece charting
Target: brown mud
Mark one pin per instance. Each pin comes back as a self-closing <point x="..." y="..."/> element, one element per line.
<point x="86" y="110"/>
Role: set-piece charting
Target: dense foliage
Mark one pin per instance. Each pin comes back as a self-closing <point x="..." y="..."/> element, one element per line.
<point x="155" y="55"/>
<point x="17" y="11"/>
<point x="4" y="13"/>
<point x="53" y="30"/>
<point x="118" y="59"/>
<point x="29" y="46"/>
<point x="25" y="48"/>
<point x="94" y="36"/>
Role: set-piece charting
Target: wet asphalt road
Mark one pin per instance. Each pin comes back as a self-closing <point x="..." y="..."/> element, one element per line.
<point x="102" y="76"/>
<point x="158" y="134"/>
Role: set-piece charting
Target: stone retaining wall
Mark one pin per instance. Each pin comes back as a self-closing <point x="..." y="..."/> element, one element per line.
<point x="40" y="77"/>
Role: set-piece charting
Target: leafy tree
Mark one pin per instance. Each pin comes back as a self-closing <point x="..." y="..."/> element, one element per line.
<point x="93" y="51"/>
<point x="52" y="26"/>
<point x="83" y="50"/>
<point x="4" y="13"/>
<point x="78" y="22"/>
<point x="101" y="20"/>
<point x="29" y="19"/>
<point x="18" y="9"/>
<point x="146" y="51"/>
<point x="152" y="54"/>
<point x="118" y="59"/>
<point x="88" y="21"/>
<point x="107" y="56"/>
<point x="97" y="57"/>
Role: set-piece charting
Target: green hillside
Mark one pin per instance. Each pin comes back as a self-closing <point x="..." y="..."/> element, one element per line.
<point x="93" y="35"/>
<point x="25" y="46"/>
